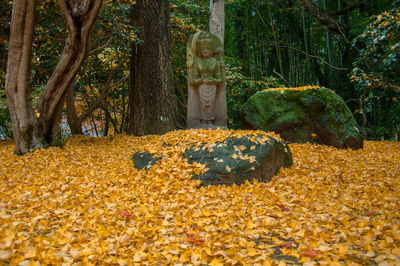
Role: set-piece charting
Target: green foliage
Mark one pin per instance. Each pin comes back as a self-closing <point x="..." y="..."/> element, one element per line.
<point x="378" y="60"/>
<point x="376" y="73"/>
<point x="240" y="87"/>
<point x="5" y="122"/>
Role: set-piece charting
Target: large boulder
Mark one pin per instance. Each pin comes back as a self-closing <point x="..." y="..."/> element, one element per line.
<point x="316" y="115"/>
<point x="232" y="161"/>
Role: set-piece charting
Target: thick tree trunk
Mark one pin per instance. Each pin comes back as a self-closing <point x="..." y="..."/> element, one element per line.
<point x="26" y="129"/>
<point x="80" y="18"/>
<point x="152" y="99"/>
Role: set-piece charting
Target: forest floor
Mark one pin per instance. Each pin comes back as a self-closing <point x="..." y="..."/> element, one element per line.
<point x="87" y="203"/>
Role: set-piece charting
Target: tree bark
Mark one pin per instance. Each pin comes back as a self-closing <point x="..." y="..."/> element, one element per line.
<point x="152" y="98"/>
<point x="26" y="129"/>
<point x="80" y="17"/>
<point x="74" y="121"/>
<point x="217" y="19"/>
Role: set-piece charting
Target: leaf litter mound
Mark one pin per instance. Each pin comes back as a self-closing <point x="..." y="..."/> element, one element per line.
<point x="86" y="203"/>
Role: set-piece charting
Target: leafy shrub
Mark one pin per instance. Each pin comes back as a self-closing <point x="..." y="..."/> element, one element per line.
<point x="376" y="74"/>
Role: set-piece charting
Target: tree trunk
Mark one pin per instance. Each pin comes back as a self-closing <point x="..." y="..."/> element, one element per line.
<point x="80" y="18"/>
<point x="276" y="43"/>
<point x="152" y="98"/>
<point x="74" y="121"/>
<point x="217" y="19"/>
<point x="26" y="127"/>
<point x="241" y="39"/>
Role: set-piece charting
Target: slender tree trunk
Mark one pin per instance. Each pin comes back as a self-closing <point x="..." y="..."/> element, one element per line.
<point x="217" y="18"/>
<point x="80" y="18"/>
<point x="152" y="98"/>
<point x="74" y="121"/>
<point x="329" y="46"/>
<point x="305" y="79"/>
<point x="121" y="128"/>
<point x="340" y="22"/>
<point x="106" y="123"/>
<point x="241" y="40"/>
<point x="276" y="44"/>
<point x="314" y="62"/>
<point x="26" y="127"/>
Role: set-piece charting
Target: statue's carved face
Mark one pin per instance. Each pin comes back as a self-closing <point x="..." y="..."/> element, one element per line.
<point x="206" y="48"/>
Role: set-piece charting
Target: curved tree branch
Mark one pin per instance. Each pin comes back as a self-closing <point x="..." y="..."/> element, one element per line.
<point x="80" y="17"/>
<point x="107" y="86"/>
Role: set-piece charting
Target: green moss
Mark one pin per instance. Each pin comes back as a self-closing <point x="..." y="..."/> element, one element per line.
<point x="297" y="115"/>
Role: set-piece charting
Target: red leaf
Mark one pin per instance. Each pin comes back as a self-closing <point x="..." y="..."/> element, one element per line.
<point x="192" y="238"/>
<point x="288" y="244"/>
<point x="195" y="240"/>
<point x="369" y="213"/>
<point x="125" y="214"/>
<point x="283" y="207"/>
<point x="311" y="253"/>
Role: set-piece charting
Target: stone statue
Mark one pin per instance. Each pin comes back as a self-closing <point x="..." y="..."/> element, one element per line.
<point x="206" y="81"/>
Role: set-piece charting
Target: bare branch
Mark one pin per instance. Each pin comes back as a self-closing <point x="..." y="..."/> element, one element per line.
<point x="324" y="18"/>
<point x="107" y="86"/>
<point x="317" y="57"/>
<point x="101" y="48"/>
<point x="282" y="78"/>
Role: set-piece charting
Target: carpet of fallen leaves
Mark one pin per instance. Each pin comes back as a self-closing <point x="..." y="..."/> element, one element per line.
<point x="86" y="203"/>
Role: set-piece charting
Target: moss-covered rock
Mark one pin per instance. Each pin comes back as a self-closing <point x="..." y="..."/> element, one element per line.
<point x="238" y="159"/>
<point x="230" y="160"/>
<point x="316" y="115"/>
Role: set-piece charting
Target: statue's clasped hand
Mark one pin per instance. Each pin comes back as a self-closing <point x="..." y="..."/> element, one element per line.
<point x="205" y="79"/>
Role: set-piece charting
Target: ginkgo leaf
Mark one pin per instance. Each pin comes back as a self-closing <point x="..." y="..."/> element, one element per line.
<point x="228" y="169"/>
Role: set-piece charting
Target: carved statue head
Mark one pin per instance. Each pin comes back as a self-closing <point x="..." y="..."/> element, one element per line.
<point x="205" y="47"/>
<point x="203" y="44"/>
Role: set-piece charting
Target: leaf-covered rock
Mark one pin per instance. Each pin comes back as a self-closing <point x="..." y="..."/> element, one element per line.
<point x="228" y="161"/>
<point x="238" y="159"/>
<point x="305" y="114"/>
